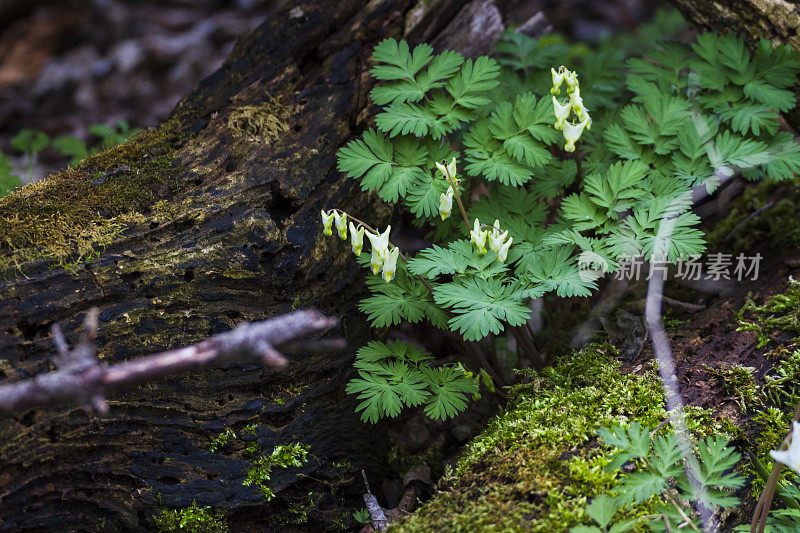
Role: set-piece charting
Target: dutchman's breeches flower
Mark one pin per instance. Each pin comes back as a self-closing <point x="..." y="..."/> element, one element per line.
<point x="558" y="78"/>
<point x="356" y="239"/>
<point x="572" y="80"/>
<point x="449" y="170"/>
<point x="340" y="219"/>
<point x="562" y="112"/>
<point x="376" y="261"/>
<point x="327" y="222"/>
<point x="790" y="457"/>
<point x="446" y="203"/>
<point x="380" y="247"/>
<point x="478" y="237"/>
<point x="496" y="238"/>
<point x="502" y="253"/>
<point x="572" y="132"/>
<point x="576" y="102"/>
<point x="390" y="264"/>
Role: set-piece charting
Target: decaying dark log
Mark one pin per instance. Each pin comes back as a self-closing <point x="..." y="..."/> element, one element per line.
<point x="180" y="234"/>
<point x="81" y="379"/>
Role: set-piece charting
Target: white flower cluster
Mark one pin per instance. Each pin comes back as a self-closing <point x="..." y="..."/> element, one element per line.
<point x="572" y="130"/>
<point x="499" y="242"/>
<point x="382" y="258"/>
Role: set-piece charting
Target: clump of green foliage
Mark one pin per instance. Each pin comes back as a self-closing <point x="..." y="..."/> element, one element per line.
<point x="397" y="374"/>
<point x="8" y="180"/>
<point x="283" y="456"/>
<point x="660" y="471"/>
<point x="192" y="519"/>
<point x="362" y="516"/>
<point x="487" y="135"/>
<point x="31" y="142"/>
<point x="221" y="440"/>
<point x="107" y="135"/>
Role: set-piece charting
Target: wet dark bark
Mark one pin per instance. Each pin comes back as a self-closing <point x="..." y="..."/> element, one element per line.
<point x="235" y="237"/>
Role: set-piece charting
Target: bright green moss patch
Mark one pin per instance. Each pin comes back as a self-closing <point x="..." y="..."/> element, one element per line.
<point x="775" y="395"/>
<point x="68" y="216"/>
<point x="193" y="519"/>
<point x="283" y="456"/>
<point x="536" y="466"/>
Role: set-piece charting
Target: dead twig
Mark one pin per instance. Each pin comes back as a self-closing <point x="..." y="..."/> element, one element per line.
<point x="81" y="378"/>
<point x="376" y="514"/>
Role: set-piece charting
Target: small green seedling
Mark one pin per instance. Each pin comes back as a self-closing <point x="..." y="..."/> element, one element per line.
<point x="8" y="180"/>
<point x="30" y="142"/>
<point x="362" y="516"/>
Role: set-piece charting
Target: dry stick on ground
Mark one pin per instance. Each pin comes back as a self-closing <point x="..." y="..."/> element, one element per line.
<point x="81" y="378"/>
<point x="666" y="370"/>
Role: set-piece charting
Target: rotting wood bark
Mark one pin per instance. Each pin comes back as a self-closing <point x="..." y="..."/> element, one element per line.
<point x="183" y="233"/>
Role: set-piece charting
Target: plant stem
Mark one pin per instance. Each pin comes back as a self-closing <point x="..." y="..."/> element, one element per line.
<point x="476" y="352"/>
<point x="452" y="180"/>
<point x="578" y="163"/>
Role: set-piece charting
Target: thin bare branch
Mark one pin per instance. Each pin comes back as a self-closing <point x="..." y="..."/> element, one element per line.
<point x="81" y="378"/>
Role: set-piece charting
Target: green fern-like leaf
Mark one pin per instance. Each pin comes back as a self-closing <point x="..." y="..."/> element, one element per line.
<point x="449" y="388"/>
<point x="411" y="74"/>
<point x="369" y="159"/>
<point x="405" y="298"/>
<point x="481" y="306"/>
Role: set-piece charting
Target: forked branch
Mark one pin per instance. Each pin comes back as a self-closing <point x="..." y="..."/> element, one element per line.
<point x="81" y="378"/>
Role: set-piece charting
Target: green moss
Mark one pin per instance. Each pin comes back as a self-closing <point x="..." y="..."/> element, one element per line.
<point x="262" y="122"/>
<point x="739" y="381"/>
<point x="68" y="216"/>
<point x="283" y="456"/>
<point x="778" y="392"/>
<point x="193" y="519"/>
<point x="781" y="313"/>
<point x="297" y="513"/>
<point x="536" y="466"/>
<point x="221" y="440"/>
<point x="287" y="393"/>
<point x="704" y="423"/>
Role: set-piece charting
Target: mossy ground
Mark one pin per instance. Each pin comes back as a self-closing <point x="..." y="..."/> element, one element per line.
<point x="67" y="217"/>
<point x="769" y="398"/>
<point x="536" y="466"/>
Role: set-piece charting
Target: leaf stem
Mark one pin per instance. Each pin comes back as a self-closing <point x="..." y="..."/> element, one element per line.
<point x="454" y="183"/>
